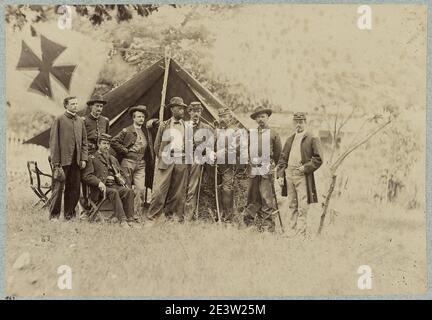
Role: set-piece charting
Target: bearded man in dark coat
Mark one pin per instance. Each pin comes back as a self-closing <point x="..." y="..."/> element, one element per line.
<point x="300" y="157"/>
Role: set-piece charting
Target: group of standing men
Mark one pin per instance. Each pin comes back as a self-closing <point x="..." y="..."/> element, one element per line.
<point x="82" y="152"/>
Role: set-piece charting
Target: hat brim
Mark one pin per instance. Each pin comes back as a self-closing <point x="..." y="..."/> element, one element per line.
<point x="255" y="114"/>
<point x="90" y="102"/>
<point x="169" y="106"/>
<point x="132" y="110"/>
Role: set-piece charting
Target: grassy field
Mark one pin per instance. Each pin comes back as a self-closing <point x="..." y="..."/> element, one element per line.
<point x="210" y="260"/>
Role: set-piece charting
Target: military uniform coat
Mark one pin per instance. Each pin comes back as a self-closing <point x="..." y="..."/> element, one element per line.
<point x="311" y="159"/>
<point x="94" y="127"/>
<point x="98" y="169"/>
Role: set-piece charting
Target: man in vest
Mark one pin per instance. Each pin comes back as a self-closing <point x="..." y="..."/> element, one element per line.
<point x="300" y="157"/>
<point x="261" y="199"/>
<point x="172" y="173"/>
<point x="135" y="146"/>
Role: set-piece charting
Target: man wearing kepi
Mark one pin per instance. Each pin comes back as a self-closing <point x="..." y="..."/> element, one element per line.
<point x="172" y="173"/>
<point x="228" y="162"/>
<point x="68" y="152"/>
<point x="95" y="123"/>
<point x="301" y="156"/>
<point x="195" y="169"/>
<point x="104" y="175"/>
<point x="261" y="198"/>
<point x="135" y="146"/>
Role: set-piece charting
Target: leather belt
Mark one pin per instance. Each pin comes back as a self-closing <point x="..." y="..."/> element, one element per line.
<point x="134" y="156"/>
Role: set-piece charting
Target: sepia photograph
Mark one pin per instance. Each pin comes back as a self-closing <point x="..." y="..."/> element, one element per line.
<point x="215" y="150"/>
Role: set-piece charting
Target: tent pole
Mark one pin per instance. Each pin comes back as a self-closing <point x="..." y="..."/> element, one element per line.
<point x="163" y="95"/>
<point x="165" y="82"/>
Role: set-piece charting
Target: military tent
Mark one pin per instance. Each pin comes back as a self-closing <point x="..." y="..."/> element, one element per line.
<point x="145" y="88"/>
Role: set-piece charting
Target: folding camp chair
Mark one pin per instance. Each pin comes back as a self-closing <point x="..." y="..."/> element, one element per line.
<point x="41" y="189"/>
<point x="102" y="208"/>
<point x="95" y="208"/>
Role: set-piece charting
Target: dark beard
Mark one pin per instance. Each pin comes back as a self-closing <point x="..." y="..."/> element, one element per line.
<point x="105" y="153"/>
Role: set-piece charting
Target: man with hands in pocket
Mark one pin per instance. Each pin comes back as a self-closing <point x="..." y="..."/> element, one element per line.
<point x="300" y="157"/>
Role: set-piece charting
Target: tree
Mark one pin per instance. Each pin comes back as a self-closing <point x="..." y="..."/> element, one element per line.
<point x="19" y="15"/>
<point x="370" y="126"/>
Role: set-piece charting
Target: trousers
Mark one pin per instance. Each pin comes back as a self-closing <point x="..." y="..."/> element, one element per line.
<point x="170" y="192"/>
<point x="226" y="180"/>
<point x="135" y="171"/>
<point x="122" y="200"/>
<point x="297" y="200"/>
<point x="69" y="190"/>
<point x="192" y="190"/>
<point x="261" y="202"/>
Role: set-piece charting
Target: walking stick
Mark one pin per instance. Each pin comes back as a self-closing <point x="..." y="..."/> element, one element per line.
<point x="277" y="207"/>
<point x="217" y="197"/>
<point x="199" y="192"/>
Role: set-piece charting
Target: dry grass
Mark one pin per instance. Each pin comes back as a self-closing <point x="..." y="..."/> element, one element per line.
<point x="209" y="260"/>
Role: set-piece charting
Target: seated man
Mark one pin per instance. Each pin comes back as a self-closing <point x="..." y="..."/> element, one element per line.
<point x="103" y="175"/>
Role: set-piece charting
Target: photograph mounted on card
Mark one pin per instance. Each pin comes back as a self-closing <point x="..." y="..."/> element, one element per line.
<point x="216" y="150"/>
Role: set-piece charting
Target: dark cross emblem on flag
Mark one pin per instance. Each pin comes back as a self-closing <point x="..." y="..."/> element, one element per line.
<point x="50" y="52"/>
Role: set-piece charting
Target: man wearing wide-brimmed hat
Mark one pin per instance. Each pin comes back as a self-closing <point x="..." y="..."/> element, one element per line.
<point x="134" y="145"/>
<point x="300" y="157"/>
<point x="95" y="125"/>
<point x="94" y="122"/>
<point x="261" y="199"/>
<point x="169" y="194"/>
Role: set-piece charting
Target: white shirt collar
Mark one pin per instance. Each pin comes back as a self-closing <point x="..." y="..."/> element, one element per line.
<point x="72" y="114"/>
<point x="172" y="120"/>
<point x="137" y="127"/>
